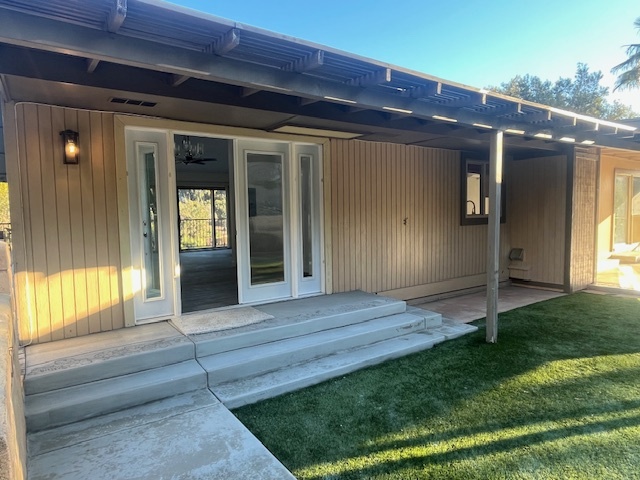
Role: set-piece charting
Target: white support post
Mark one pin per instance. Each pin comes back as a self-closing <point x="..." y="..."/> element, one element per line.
<point x="493" y="243"/>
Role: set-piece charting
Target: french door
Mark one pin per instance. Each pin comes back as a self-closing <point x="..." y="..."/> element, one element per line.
<point x="278" y="235"/>
<point x="279" y="229"/>
<point x="152" y="231"/>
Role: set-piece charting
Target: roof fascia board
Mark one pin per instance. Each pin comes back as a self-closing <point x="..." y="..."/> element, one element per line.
<point x="39" y="33"/>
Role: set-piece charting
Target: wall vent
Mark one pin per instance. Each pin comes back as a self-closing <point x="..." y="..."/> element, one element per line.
<point x="130" y="101"/>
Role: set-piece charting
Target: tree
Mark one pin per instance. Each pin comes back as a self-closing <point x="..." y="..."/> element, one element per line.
<point x="629" y="70"/>
<point x="581" y="94"/>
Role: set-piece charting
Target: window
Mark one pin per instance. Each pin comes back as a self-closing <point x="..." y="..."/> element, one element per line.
<point x="474" y="193"/>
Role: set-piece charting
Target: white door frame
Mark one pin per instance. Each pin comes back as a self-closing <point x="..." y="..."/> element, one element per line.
<point x="168" y="302"/>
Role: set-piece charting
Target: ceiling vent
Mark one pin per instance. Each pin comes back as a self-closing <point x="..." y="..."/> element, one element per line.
<point x="130" y="101"/>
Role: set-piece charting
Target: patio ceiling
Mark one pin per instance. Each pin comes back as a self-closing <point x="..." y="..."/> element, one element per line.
<point x="163" y="53"/>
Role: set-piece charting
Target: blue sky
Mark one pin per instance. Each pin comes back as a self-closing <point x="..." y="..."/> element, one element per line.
<point x="478" y="43"/>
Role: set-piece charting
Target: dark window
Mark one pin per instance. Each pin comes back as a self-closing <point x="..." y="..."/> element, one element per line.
<point x="474" y="193"/>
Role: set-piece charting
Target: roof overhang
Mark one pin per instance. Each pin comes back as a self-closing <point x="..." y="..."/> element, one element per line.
<point x="156" y="49"/>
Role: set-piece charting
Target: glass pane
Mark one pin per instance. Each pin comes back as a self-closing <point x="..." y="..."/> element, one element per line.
<point x="266" y="236"/>
<point x="149" y="198"/>
<point x="196" y="229"/>
<point x="621" y="209"/>
<point x="635" y="197"/>
<point x="474" y="189"/>
<point x="306" y="209"/>
<point x="220" y="207"/>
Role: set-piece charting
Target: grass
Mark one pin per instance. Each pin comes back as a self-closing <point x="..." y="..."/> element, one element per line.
<point x="557" y="397"/>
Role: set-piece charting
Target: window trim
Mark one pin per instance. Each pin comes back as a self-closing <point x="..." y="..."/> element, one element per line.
<point x="478" y="219"/>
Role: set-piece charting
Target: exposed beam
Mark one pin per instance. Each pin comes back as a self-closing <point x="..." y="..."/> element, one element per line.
<point x="543" y="116"/>
<point x="493" y="241"/>
<point x="92" y="64"/>
<point x="472" y="99"/>
<point x="424" y="91"/>
<point x="507" y="109"/>
<point x="373" y="78"/>
<point x="176" y="80"/>
<point x="304" y="64"/>
<point x="226" y="43"/>
<point x="116" y="16"/>
<point x="306" y="101"/>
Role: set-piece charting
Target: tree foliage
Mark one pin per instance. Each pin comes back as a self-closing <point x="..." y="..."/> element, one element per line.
<point x="581" y="94"/>
<point x="629" y="70"/>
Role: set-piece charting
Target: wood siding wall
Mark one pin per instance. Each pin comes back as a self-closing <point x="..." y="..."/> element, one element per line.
<point x="583" y="219"/>
<point x="536" y="215"/>
<point x="395" y="219"/>
<point x="67" y="242"/>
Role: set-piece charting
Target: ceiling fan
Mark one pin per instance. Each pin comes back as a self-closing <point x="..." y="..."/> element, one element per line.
<point x="190" y="153"/>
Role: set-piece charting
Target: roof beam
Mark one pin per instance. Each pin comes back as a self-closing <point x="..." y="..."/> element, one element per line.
<point x="225" y="44"/>
<point x="92" y="64"/>
<point x="176" y="80"/>
<point x="116" y="16"/>
<point x="471" y="100"/>
<point x="372" y="78"/>
<point x="424" y="91"/>
<point x="306" y="63"/>
<point x="247" y="92"/>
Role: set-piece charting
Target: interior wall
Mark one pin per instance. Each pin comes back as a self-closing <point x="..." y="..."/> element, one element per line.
<point x="66" y="241"/>
<point x="609" y="163"/>
<point x="536" y="209"/>
<point x="395" y="221"/>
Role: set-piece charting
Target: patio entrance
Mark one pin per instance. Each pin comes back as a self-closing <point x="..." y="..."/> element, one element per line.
<point x="217" y="222"/>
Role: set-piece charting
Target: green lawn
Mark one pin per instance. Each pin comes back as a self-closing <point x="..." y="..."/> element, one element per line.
<point x="557" y="397"/>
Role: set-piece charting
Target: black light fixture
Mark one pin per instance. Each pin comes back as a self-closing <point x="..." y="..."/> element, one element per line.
<point x="71" y="150"/>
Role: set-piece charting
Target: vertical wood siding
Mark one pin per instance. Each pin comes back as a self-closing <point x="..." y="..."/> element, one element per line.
<point x="536" y="215"/>
<point x="395" y="219"/>
<point x="583" y="219"/>
<point x="70" y="237"/>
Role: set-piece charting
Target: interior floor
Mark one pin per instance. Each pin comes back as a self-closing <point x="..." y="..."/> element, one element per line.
<point x="208" y="279"/>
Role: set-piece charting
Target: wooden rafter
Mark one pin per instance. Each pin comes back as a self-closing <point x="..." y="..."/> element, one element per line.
<point x="92" y="64"/>
<point x="372" y="78"/>
<point x="116" y="16"/>
<point x="176" y="80"/>
<point x="304" y="64"/>
<point x="471" y="100"/>
<point x="225" y="44"/>
<point x="424" y="91"/>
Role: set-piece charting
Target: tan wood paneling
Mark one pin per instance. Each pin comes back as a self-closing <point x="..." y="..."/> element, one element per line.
<point x="536" y="215"/>
<point x="70" y="231"/>
<point x="396" y="221"/>
<point x="583" y="219"/>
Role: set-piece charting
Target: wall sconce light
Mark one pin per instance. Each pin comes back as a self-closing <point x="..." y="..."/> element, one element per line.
<point x="71" y="150"/>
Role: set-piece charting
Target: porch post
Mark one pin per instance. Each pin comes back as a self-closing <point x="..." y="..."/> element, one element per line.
<point x="493" y="241"/>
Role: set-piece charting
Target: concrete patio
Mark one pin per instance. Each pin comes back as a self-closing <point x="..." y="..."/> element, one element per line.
<point x="470" y="307"/>
<point x="191" y="434"/>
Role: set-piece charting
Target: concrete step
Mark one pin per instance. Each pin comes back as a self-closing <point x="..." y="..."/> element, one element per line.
<point x="287" y="379"/>
<point x="431" y="319"/>
<point x="52" y="366"/>
<point x="300" y="317"/>
<point x="258" y="359"/>
<point x="72" y="404"/>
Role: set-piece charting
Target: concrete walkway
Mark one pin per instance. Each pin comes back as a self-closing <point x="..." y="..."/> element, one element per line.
<point x="190" y="436"/>
<point x="467" y="308"/>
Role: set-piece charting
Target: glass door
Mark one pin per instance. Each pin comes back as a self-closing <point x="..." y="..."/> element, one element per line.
<point x="150" y="225"/>
<point x="626" y="225"/>
<point x="264" y="221"/>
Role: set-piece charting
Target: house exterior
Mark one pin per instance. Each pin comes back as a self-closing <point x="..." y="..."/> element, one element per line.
<point x="342" y="173"/>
